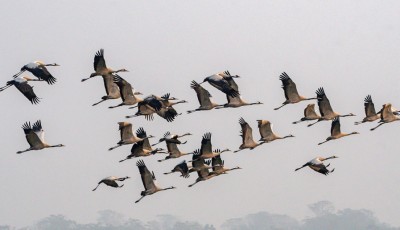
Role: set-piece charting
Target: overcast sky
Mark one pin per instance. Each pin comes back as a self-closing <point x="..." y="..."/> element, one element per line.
<point x="350" y="48"/>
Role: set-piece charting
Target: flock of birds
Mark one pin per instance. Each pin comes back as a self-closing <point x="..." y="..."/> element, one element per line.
<point x="206" y="161"/>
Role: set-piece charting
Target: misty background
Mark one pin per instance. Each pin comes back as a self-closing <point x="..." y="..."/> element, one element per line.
<point x="349" y="48"/>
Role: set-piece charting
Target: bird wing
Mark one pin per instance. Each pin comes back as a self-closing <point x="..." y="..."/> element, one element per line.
<point x="27" y="91"/>
<point x="206" y="146"/>
<point x="125" y="130"/>
<point x="310" y="112"/>
<point x="112" y="89"/>
<point x="335" y="127"/>
<point x="203" y="96"/>
<point x="247" y="131"/>
<point x="125" y="89"/>
<point x="41" y="72"/>
<point x="168" y="113"/>
<point x="137" y="149"/>
<point x="30" y="135"/>
<point x="37" y="128"/>
<point x="99" y="64"/>
<point x="321" y="168"/>
<point x="153" y="102"/>
<point x="182" y="167"/>
<point x="173" y="148"/>
<point x="142" y="134"/>
<point x="217" y="163"/>
<point x="289" y="87"/>
<point x="369" y="106"/>
<point x="221" y="84"/>
<point x="324" y="105"/>
<point x="203" y="173"/>
<point x="265" y="129"/>
<point x="147" y="177"/>
<point x="228" y="77"/>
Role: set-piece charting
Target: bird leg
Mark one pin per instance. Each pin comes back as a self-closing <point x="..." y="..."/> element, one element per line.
<point x="19" y="152"/>
<point x="237" y="150"/>
<point x="132" y="116"/>
<point x="96" y="187"/>
<point x="358" y="122"/>
<point x="140" y="199"/>
<point x="194" y="183"/>
<point x="296" y="122"/>
<point x="133" y="107"/>
<point x="280" y="106"/>
<point x="4" y="87"/>
<point x="377" y="126"/>
<point x="191" y="111"/>
<point x="309" y="125"/>
<point x="17" y="74"/>
<point x="99" y="102"/>
<point x="124" y="159"/>
<point x="300" y="167"/>
<point x="323" y="142"/>
<point x="114" y="147"/>
<point x="111" y="107"/>
<point x="328" y="165"/>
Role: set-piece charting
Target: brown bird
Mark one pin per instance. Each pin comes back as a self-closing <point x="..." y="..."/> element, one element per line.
<point x="203" y="97"/>
<point x="218" y="166"/>
<point x="100" y="66"/>
<point x="335" y="131"/>
<point x="35" y="137"/>
<point x="325" y="108"/>
<point x="309" y="114"/>
<point x="370" y="113"/>
<point x="387" y="115"/>
<point x="182" y="168"/>
<point x="317" y="165"/>
<point x="148" y="179"/>
<point x="127" y="136"/>
<point x="247" y="137"/>
<point x="112" y="181"/>
<point x="291" y="94"/>
<point x="266" y="132"/>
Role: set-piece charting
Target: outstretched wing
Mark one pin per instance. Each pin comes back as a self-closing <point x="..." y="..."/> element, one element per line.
<point x="203" y="96"/>
<point x="147" y="177"/>
<point x="99" y="64"/>
<point x="289" y="87"/>
<point x="335" y="127"/>
<point x="369" y="106"/>
<point x="206" y="146"/>
<point x="324" y="105"/>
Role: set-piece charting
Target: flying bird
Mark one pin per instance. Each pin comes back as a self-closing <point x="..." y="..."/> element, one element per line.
<point x="39" y="70"/>
<point x="127" y="136"/>
<point x="267" y="133"/>
<point x="128" y="95"/>
<point x="335" y="131"/>
<point x="35" y="137"/>
<point x="112" y="181"/>
<point x="100" y="67"/>
<point x="247" y="136"/>
<point x="220" y="82"/>
<point x="21" y="83"/>
<point x="148" y="180"/>
<point x="142" y="148"/>
<point x="309" y="114"/>
<point x="291" y="94"/>
<point x="370" y="113"/>
<point x="387" y="115"/>
<point x="317" y="165"/>
<point x="218" y="166"/>
<point x="173" y="138"/>
<point x="325" y="108"/>
<point x="206" y="148"/>
<point x="204" y="98"/>
<point x="148" y="107"/>
<point x="181" y="168"/>
<point x="173" y="150"/>
<point x="112" y="89"/>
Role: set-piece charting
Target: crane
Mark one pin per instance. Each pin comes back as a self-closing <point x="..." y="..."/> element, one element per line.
<point x="335" y="131"/>
<point x="387" y="116"/>
<point x="35" y="137"/>
<point x="100" y="66"/>
<point x="290" y="90"/>
<point x="127" y="136"/>
<point x="370" y="113"/>
<point x="128" y="95"/>
<point x="325" y="108"/>
<point x="21" y="83"/>
<point x="112" y="89"/>
<point x="317" y="165"/>
<point x="247" y="136"/>
<point x="218" y="166"/>
<point x="221" y="82"/>
<point x="111" y="181"/>
<point x="39" y="70"/>
<point x="309" y="114"/>
<point x="266" y="131"/>
<point x="203" y="97"/>
<point x="148" y="179"/>
<point x="182" y="168"/>
<point x="172" y="138"/>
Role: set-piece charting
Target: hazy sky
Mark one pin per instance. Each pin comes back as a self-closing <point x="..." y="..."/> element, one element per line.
<point x="349" y="48"/>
